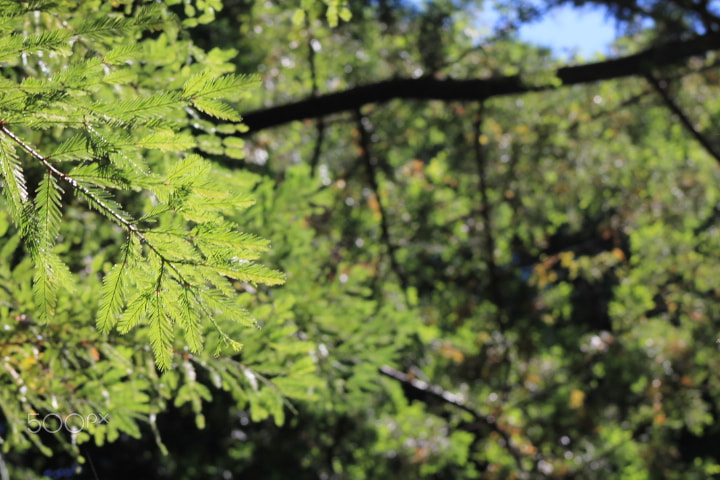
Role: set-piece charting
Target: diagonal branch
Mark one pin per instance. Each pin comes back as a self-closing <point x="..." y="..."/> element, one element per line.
<point x="314" y="78"/>
<point x="114" y="215"/>
<point x="661" y="87"/>
<point x="427" y="88"/>
<point x="486" y="212"/>
<point x="363" y="127"/>
<point x="449" y="398"/>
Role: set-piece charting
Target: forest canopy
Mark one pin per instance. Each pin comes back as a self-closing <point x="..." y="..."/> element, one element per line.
<point x="368" y="239"/>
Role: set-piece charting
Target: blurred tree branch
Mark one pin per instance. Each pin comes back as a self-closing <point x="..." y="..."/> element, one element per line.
<point x="428" y="88"/>
<point x="363" y="126"/>
<point x="661" y="87"/>
<point x="435" y="391"/>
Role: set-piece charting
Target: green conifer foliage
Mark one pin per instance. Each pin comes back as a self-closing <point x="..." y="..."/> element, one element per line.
<point x="179" y="249"/>
<point x="120" y="253"/>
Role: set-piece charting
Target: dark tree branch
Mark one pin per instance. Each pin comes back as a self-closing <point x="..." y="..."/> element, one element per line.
<point x="661" y="87"/>
<point x="363" y="126"/>
<point x="315" y="91"/>
<point x="486" y="210"/>
<point x="427" y="88"/>
<point x="317" y="150"/>
<point x="709" y="222"/>
<point x="435" y="391"/>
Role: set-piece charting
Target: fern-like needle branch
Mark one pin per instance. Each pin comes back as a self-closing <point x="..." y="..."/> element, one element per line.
<point x="74" y="87"/>
<point x="192" y="266"/>
<point x="106" y="109"/>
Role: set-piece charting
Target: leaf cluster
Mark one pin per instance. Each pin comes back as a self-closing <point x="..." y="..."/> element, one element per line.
<point x="181" y="248"/>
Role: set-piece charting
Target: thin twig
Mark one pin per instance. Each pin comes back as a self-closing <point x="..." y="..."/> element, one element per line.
<point x="450" y="398"/>
<point x="454" y="61"/>
<point x="115" y="216"/>
<point x="362" y="125"/>
<point x="319" y="140"/>
<point x="320" y="123"/>
<point x="486" y="211"/>
<point x="661" y="87"/>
